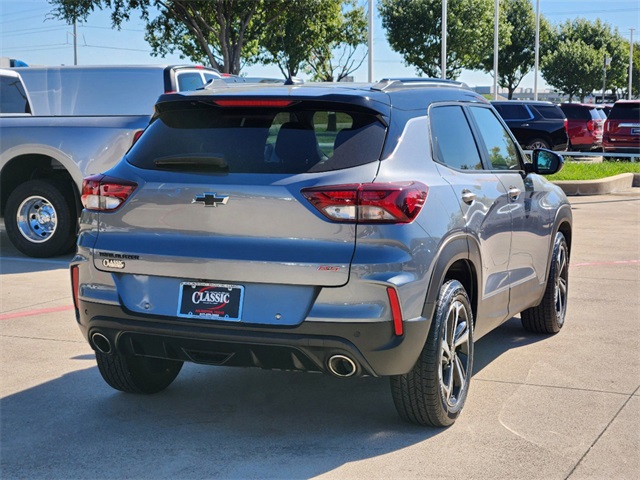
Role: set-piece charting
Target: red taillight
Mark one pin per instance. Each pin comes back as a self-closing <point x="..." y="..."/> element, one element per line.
<point x="253" y="103"/>
<point x="75" y="285"/>
<point x="369" y="202"/>
<point x="396" y="312"/>
<point x="136" y="135"/>
<point x="102" y="193"/>
<point x="591" y="125"/>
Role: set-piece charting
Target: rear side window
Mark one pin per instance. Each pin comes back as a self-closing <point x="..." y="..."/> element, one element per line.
<point x="625" y="111"/>
<point x="189" y="81"/>
<point x="453" y="142"/>
<point x="513" y="112"/>
<point x="298" y="139"/>
<point x="13" y="98"/>
<point x="550" y="112"/>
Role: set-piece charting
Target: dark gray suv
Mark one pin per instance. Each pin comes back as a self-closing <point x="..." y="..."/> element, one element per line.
<point x="347" y="229"/>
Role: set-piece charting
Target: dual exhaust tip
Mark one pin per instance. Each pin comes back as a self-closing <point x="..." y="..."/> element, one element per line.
<point x="101" y="343"/>
<point x="342" y="366"/>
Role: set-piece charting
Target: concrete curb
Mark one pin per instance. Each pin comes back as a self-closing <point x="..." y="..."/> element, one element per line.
<point x="601" y="186"/>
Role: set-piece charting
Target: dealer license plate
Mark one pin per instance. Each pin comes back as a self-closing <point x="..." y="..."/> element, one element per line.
<point x="635" y="131"/>
<point x="210" y="301"/>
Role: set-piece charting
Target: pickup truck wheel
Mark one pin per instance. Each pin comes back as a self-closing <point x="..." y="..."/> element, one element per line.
<point x="434" y="391"/>
<point x="39" y="218"/>
<point x="548" y="317"/>
<point x="133" y="374"/>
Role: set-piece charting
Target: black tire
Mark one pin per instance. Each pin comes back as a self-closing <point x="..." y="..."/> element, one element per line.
<point x="430" y="394"/>
<point x="549" y="315"/>
<point x="133" y="374"/>
<point x="537" y="143"/>
<point x="41" y="235"/>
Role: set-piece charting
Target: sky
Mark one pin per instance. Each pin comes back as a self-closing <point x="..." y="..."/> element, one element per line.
<point x="27" y="33"/>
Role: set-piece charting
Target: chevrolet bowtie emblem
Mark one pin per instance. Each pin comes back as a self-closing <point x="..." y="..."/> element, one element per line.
<point x="211" y="199"/>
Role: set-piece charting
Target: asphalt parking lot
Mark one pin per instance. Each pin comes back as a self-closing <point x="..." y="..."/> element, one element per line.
<point x="565" y="406"/>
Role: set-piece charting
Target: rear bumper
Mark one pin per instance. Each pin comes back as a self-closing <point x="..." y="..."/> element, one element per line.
<point x="372" y="346"/>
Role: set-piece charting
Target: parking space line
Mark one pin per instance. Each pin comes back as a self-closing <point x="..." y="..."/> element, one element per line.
<point x="29" y="313"/>
<point x="615" y="262"/>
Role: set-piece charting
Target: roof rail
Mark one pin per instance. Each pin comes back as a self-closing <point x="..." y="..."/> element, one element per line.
<point x="394" y="83"/>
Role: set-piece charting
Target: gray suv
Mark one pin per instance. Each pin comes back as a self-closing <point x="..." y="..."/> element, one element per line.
<point x="346" y="229"/>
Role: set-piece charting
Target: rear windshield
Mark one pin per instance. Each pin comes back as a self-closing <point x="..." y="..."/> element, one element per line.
<point x="579" y="112"/>
<point x="625" y="111"/>
<point x="295" y="139"/>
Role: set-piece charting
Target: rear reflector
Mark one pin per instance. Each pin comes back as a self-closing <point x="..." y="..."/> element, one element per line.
<point x="102" y="193"/>
<point x="253" y="103"/>
<point x="75" y="285"/>
<point x="396" y="313"/>
<point x="369" y="202"/>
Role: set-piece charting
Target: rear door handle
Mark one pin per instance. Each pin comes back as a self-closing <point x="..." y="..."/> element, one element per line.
<point x="525" y="125"/>
<point x="514" y="193"/>
<point x="468" y="196"/>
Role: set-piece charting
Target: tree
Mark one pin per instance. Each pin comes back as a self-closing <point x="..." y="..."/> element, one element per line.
<point x="516" y="57"/>
<point x="291" y="38"/>
<point x="218" y="32"/>
<point x="574" y="68"/>
<point x="338" y="55"/>
<point x="584" y="44"/>
<point x="635" y="75"/>
<point x="414" y="30"/>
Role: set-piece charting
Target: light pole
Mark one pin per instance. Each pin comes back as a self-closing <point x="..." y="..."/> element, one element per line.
<point x="631" y="63"/>
<point x="370" y="41"/>
<point x="496" y="8"/>
<point x="443" y="40"/>
<point x="537" y="52"/>
<point x="607" y="62"/>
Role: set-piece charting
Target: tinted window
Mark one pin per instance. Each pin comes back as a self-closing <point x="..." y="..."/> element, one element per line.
<point x="514" y="112"/>
<point x="258" y="140"/>
<point x="576" y="112"/>
<point x="625" y="111"/>
<point x="13" y="98"/>
<point x="453" y="142"/>
<point x="502" y="152"/>
<point x="550" y="111"/>
<point x="189" y="81"/>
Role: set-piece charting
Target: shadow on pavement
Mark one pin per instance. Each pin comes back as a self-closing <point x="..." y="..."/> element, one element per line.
<point x="212" y="422"/>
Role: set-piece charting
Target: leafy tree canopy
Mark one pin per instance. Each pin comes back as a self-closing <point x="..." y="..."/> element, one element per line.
<point x="414" y="30"/>
<point x="516" y="56"/>
<point x="219" y="32"/>
<point x="589" y="40"/>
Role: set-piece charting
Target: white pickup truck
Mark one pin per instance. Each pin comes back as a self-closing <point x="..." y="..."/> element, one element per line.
<point x="61" y="124"/>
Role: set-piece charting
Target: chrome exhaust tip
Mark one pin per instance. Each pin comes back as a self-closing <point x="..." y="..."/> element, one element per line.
<point x="342" y="366"/>
<point x="101" y="343"/>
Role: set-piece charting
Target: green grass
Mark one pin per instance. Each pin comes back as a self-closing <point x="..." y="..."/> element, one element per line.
<point x="594" y="171"/>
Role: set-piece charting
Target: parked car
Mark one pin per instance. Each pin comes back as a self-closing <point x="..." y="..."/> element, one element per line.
<point x="240" y="230"/>
<point x="60" y="124"/>
<point x="585" y="124"/>
<point x="622" y="128"/>
<point x="535" y="124"/>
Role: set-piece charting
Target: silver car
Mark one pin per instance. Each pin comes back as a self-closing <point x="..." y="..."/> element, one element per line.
<point x="346" y="229"/>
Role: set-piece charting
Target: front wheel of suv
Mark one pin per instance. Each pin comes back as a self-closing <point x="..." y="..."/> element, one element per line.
<point x="133" y="374"/>
<point x="434" y="391"/>
<point x="548" y="316"/>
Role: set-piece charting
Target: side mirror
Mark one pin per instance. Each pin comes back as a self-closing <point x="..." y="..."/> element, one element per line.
<point x="546" y="162"/>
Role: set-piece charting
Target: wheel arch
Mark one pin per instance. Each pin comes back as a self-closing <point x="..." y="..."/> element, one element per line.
<point x="458" y="259"/>
<point x="30" y="166"/>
